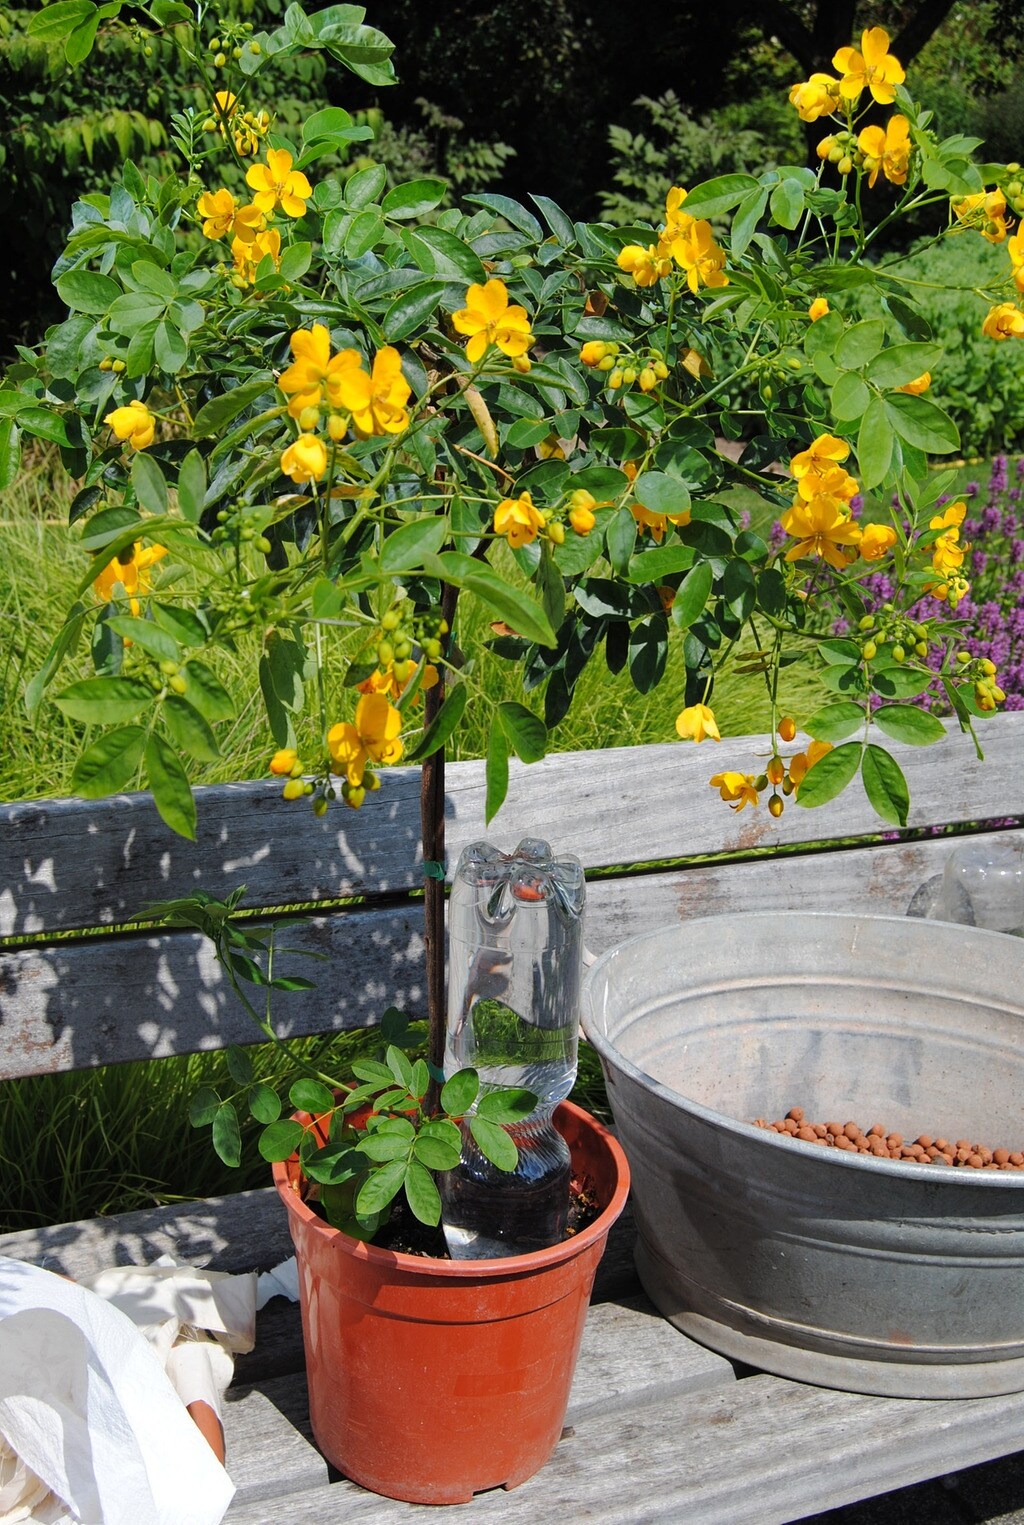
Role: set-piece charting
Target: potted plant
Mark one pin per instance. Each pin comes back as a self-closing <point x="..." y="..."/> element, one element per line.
<point x="370" y="439"/>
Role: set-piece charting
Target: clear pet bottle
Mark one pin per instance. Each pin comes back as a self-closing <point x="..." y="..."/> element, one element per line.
<point x="515" y="940"/>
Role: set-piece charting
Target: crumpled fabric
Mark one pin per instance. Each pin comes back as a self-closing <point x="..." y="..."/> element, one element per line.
<point x="94" y="1382"/>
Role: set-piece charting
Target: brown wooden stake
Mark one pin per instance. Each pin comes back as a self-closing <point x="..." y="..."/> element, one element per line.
<point x="432" y="829"/>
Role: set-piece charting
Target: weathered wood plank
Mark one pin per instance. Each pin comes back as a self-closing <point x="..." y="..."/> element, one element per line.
<point x="266" y="1455"/>
<point x="77" y="863"/>
<point x="110" y="999"/>
<point x="761" y="1451"/>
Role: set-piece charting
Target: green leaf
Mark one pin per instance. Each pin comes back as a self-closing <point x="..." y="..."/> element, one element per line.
<point x="207" y="694"/>
<point x="787" y="203"/>
<point x="43" y="424"/>
<point x="227" y="1138"/>
<point x="830" y="775"/>
<point x="84" y="291"/>
<point x="516" y="608"/>
<point x="692" y="596"/>
<point x="560" y="225"/>
<point x="713" y="197"/>
<point x="182" y="624"/>
<point x="438" y="1153"/>
<point x="380" y="1146"/>
<point x="513" y="212"/>
<point x="442" y="726"/>
<point x="860" y="344"/>
<point x="280" y="1140"/>
<point x="509" y="1104"/>
<point x="189" y="731"/>
<point x="192" y="486"/>
<point x="901" y="363"/>
<point x="172" y="794"/>
<point x="109" y="764"/>
<point x="884" y="785"/>
<point x="295" y="261"/>
<point x="202" y="1108"/>
<point x="239" y="1065"/>
<point x="104" y="701"/>
<point x="148" y="482"/>
<point x="421" y="1193"/>
<point x="146" y="634"/>
<point x="620" y="539"/>
<point x="526" y="731"/>
<point x="399" y="1064"/>
<point x="744" y="224"/>
<point x="459" y="1092"/>
<point x="213" y="416"/>
<point x="497" y="772"/>
<point x="406" y="549"/>
<point x="10" y="453"/>
<point x="170" y="348"/>
<point x="904" y="722"/>
<point x="661" y="493"/>
<point x="834" y="722"/>
<point x="411" y="310"/>
<point x="494" y="1143"/>
<point x="921" y="423"/>
<point x="661" y="561"/>
<point x="60" y="19"/>
<point x="65" y="640"/>
<point x="898" y="682"/>
<point x="414" y="198"/>
<point x="874" y="443"/>
<point x="264" y="1104"/>
<point x="648" y="652"/>
<point x="107" y="526"/>
<point x="849" y="396"/>
<point x="312" y="1096"/>
<point x="365" y="185"/>
<point x="381" y="1187"/>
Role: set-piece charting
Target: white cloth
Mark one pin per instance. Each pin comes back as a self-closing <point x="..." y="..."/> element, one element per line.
<point x="92" y="1432"/>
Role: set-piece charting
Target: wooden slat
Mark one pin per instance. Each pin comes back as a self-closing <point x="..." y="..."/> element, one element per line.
<point x="761" y="1451"/>
<point x="68" y="864"/>
<point x="110" y="999"/>
<point x="267" y="1456"/>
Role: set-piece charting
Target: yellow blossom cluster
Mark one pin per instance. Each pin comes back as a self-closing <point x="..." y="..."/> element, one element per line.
<point x="276" y="187"/>
<point x="367" y="402"/>
<point x="870" y="67"/>
<point x="372" y="737"/>
<point x="819" y="519"/>
<point x="133" y="423"/>
<point x="948" y="554"/>
<point x="687" y="241"/>
<point x="985" y="211"/>
<point x="489" y="318"/>
<point x="130" y="571"/>
<point x="247" y="128"/>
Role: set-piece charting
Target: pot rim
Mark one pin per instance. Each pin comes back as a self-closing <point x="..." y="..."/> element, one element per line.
<point x="956" y="1178"/>
<point x="506" y="1266"/>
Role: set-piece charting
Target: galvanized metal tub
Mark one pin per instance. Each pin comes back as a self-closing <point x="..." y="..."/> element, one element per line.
<point x="868" y="1275"/>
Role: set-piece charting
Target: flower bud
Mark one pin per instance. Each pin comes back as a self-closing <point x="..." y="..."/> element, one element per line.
<point x="556" y="532"/>
<point x="775" y="806"/>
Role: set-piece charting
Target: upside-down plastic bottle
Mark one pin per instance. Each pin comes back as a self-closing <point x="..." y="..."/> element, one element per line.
<point x="515" y="939"/>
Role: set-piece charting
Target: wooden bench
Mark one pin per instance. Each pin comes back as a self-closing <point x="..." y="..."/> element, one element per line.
<point x="658" y="1428"/>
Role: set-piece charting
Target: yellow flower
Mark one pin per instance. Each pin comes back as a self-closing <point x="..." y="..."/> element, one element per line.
<point x="887" y="149"/>
<point x="249" y="256"/>
<point x="377" y="400"/>
<point x="695" y="250"/>
<point x="820" y="528"/>
<point x="374" y="737"/>
<point x="1004" y="322"/>
<point x="953" y="517"/>
<point x="581" y="511"/>
<point x="314" y="370"/>
<point x="985" y="211"/>
<point x="830" y="481"/>
<point x="875" y="540"/>
<point x="224" y="216"/>
<point x="646" y="266"/>
<point x="517" y="520"/>
<point x="697" y="721"/>
<point x="820" y="456"/>
<point x="918" y="385"/>
<point x="816" y="97"/>
<point x="278" y="185"/>
<point x="283" y="761"/>
<point x="801" y="763"/>
<point x="305" y="460"/>
<point x="737" y="788"/>
<point x="872" y="68"/>
<point x="675" y="217"/>
<point x="384" y="681"/>
<point x="818" y="308"/>
<point x="1015" y="249"/>
<point x="594" y="351"/>
<point x="135" y="423"/>
<point x="488" y="319"/>
<point x="130" y="569"/>
<point x="226" y="103"/>
<point x="656" y="523"/>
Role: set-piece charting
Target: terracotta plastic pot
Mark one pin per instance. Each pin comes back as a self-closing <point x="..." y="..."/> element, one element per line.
<point x="430" y="1380"/>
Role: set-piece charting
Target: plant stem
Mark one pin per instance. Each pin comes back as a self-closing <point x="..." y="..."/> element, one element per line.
<point x="432" y="829"/>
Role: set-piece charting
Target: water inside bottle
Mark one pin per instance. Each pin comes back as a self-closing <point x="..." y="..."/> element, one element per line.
<point x="515" y="963"/>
